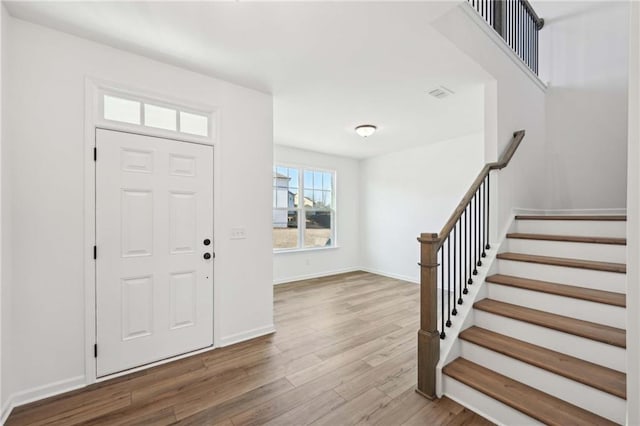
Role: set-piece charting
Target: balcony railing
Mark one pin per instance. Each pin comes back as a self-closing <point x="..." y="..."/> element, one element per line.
<point x="517" y="23"/>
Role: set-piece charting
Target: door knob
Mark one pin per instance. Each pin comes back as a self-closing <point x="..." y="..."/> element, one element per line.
<point x="206" y="242"/>
<point x="207" y="256"/>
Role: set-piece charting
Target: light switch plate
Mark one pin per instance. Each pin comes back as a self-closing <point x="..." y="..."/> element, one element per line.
<point x="238" y="233"/>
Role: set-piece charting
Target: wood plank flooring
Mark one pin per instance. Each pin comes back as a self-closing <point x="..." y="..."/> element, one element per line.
<point x="344" y="353"/>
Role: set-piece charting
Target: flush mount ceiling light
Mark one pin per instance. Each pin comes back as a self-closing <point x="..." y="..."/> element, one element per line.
<point x="366" y="130"/>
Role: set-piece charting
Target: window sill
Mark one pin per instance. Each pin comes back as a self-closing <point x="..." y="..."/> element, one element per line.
<point x="299" y="250"/>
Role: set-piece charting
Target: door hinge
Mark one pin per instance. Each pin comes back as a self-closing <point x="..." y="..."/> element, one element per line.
<point x="95" y="252"/>
<point x="95" y="350"/>
<point x="95" y="154"/>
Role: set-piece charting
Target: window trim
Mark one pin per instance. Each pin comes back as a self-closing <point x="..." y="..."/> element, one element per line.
<point x="301" y="210"/>
<point x="105" y="88"/>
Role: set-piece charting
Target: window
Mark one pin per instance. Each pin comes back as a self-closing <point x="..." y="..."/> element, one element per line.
<point x="124" y="110"/>
<point x="142" y="113"/>
<point x="303" y="208"/>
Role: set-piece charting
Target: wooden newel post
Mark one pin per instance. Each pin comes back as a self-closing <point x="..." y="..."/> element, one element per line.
<point x="428" y="336"/>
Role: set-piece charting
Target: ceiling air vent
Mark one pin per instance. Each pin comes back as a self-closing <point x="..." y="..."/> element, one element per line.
<point x="440" y="92"/>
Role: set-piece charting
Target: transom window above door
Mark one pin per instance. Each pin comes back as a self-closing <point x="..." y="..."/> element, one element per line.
<point x="156" y="115"/>
<point x="303" y="208"/>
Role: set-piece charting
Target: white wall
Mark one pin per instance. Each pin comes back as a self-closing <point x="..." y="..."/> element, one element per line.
<point x="584" y="59"/>
<point x="633" y="223"/>
<point x="298" y="265"/>
<point x="3" y="341"/>
<point x="409" y="192"/>
<point x="44" y="124"/>
<point x="519" y="100"/>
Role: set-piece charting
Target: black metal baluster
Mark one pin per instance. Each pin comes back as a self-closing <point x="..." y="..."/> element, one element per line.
<point x="522" y="30"/>
<point x="454" y="311"/>
<point x="530" y="35"/>
<point x="519" y="32"/>
<point x="466" y="251"/>
<point x="488" y="246"/>
<point x="534" y="50"/>
<point x="525" y="32"/>
<point x="475" y="233"/>
<point x="507" y="22"/>
<point x="448" y="283"/>
<point x="442" y="333"/>
<point x="484" y="218"/>
<point x="478" y="241"/>
<point x="529" y="38"/>
<point x="535" y="42"/>
<point x="469" y="243"/>
<point x="492" y="13"/>
<point x="514" y="9"/>
<point x="459" y="224"/>
<point x="513" y="25"/>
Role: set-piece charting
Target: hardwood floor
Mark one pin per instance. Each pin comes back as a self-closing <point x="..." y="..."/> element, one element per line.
<point x="344" y="353"/>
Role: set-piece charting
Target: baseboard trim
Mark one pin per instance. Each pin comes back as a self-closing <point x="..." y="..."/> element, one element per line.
<point x="7" y="408"/>
<point x="414" y="280"/>
<point x="246" y="335"/>
<point x="314" y="275"/>
<point x="41" y="392"/>
<point x="569" y="212"/>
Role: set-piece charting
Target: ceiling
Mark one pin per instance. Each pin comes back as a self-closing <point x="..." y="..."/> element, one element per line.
<point x="329" y="65"/>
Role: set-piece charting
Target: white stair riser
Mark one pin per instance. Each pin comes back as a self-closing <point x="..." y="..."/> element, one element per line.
<point x="484" y="405"/>
<point x="589" y="350"/>
<point x="585" y="228"/>
<point x="585" y="251"/>
<point x="599" y="313"/>
<point x="600" y="280"/>
<point x="578" y="394"/>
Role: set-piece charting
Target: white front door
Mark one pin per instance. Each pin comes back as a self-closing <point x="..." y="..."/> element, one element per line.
<point x="154" y="239"/>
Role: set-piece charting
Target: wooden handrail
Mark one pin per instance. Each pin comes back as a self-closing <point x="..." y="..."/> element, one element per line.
<point x="501" y="164"/>
<point x="428" y="335"/>
<point x="538" y="20"/>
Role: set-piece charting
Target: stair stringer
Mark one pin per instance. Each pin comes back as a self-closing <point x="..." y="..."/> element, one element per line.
<point x="450" y="347"/>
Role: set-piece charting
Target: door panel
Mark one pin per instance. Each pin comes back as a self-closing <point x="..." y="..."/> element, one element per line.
<point x="154" y="288"/>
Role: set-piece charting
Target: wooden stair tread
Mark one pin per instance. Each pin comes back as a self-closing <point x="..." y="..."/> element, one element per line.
<point x="592" y="295"/>
<point x="587" y="373"/>
<point x="532" y="402"/>
<point x="573" y="217"/>
<point x="569" y="263"/>
<point x="568" y="238"/>
<point x="601" y="333"/>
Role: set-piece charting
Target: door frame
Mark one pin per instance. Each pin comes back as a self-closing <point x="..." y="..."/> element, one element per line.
<point x="94" y="88"/>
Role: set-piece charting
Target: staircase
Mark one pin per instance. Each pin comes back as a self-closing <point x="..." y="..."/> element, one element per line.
<point x="548" y="343"/>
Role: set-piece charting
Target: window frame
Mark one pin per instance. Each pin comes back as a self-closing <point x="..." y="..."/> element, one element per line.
<point x="205" y="111"/>
<point x="301" y="210"/>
